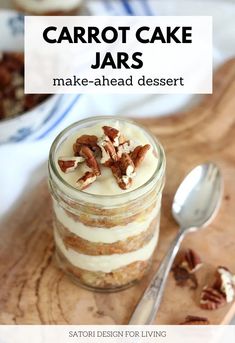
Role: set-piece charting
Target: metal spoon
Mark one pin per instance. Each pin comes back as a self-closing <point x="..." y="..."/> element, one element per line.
<point x="195" y="204"/>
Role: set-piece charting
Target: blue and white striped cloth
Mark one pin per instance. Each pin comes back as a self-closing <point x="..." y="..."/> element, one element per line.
<point x="121" y="7"/>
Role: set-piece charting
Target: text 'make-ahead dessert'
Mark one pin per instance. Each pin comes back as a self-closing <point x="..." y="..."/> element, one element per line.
<point x="106" y="177"/>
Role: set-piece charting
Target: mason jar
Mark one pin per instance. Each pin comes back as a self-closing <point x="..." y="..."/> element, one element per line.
<point x="49" y="7"/>
<point x="105" y="242"/>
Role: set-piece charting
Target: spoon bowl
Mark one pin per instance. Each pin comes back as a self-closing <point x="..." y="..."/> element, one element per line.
<point x="198" y="198"/>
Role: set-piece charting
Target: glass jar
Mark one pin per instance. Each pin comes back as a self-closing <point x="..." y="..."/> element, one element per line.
<point x="106" y="242"/>
<point x="49" y="7"/>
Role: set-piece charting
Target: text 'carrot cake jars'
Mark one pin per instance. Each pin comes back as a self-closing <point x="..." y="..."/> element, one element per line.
<point x="49" y="7"/>
<point x="106" y="177"/>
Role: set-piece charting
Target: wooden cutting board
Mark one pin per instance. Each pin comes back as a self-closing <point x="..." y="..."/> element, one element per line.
<point x="34" y="291"/>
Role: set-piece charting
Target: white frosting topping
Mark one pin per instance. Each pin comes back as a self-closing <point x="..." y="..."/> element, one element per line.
<point x="106" y="263"/>
<point x="106" y="183"/>
<point x="39" y="6"/>
<point x="100" y="235"/>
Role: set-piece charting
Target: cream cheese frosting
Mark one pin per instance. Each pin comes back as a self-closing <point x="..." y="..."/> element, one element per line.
<point x="100" y="235"/>
<point x="106" y="184"/>
<point x="39" y="6"/>
<point x="106" y="263"/>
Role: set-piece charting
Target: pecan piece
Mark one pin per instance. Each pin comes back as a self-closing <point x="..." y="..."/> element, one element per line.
<point x="123" y="181"/>
<point x="89" y="140"/>
<point x="123" y="171"/>
<point x="14" y="61"/>
<point x="195" y="320"/>
<point x="138" y="154"/>
<point x="191" y="261"/>
<point x="5" y="77"/>
<point x="86" y="180"/>
<point x="211" y="298"/>
<point x="225" y="283"/>
<point x="69" y="164"/>
<point x="126" y="147"/>
<point x="183" y="277"/>
<point x="114" y="135"/>
<point x="76" y="149"/>
<point x="108" y="151"/>
<point x="127" y="166"/>
<point x="90" y="159"/>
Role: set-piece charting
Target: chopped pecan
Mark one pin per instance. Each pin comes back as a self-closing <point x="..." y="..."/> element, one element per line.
<point x="225" y="283"/>
<point x="76" y="149"/>
<point x="111" y="132"/>
<point x="114" y="135"/>
<point x="5" y="77"/>
<point x="138" y="154"/>
<point x="183" y="277"/>
<point x="86" y="180"/>
<point x="123" y="171"/>
<point x="123" y="181"/>
<point x="126" y="147"/>
<point x="108" y="151"/>
<point x="14" y="61"/>
<point x="211" y="298"/>
<point x="89" y="140"/>
<point x="69" y="164"/>
<point x="191" y="261"/>
<point x="127" y="166"/>
<point x="90" y="159"/>
<point x="195" y="320"/>
<point x="120" y="155"/>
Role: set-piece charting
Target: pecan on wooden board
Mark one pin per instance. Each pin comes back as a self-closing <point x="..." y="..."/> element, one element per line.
<point x="211" y="298"/>
<point x="225" y="283"/>
<point x="184" y="278"/>
<point x="195" y="320"/>
<point x="191" y="261"/>
<point x="186" y="264"/>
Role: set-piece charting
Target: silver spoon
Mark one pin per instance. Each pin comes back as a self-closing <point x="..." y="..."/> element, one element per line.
<point x="195" y="204"/>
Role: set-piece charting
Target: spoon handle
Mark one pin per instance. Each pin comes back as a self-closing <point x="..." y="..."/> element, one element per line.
<point x="146" y="310"/>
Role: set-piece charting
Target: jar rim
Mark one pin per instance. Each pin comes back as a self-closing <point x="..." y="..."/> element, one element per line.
<point x="160" y="168"/>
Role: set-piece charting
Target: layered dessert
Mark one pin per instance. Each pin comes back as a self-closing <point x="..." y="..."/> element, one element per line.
<point x="13" y="101"/>
<point x="106" y="181"/>
<point x="49" y="7"/>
